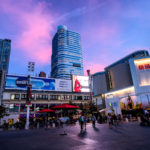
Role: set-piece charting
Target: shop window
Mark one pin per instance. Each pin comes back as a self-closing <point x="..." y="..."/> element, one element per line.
<point x="54" y="97"/>
<point x="23" y="96"/>
<point x="32" y="96"/>
<point x="79" y="97"/>
<point x="17" y="96"/>
<point x="13" y="107"/>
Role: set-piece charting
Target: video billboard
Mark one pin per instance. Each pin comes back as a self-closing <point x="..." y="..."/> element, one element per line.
<point x="81" y="84"/>
<point x="47" y="84"/>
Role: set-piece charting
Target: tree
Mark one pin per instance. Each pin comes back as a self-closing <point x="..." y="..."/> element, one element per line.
<point x="3" y="112"/>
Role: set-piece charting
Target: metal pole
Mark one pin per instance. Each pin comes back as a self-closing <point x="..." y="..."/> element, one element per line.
<point x="28" y="103"/>
<point x="27" y="119"/>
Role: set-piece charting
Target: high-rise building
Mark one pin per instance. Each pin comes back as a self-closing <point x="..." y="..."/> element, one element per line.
<point x="5" y="47"/>
<point x="66" y="59"/>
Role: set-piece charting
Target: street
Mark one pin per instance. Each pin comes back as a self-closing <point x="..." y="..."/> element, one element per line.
<point x="126" y="136"/>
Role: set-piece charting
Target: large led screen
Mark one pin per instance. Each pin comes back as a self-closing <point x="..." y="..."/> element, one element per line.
<point x="81" y="84"/>
<point x="47" y="84"/>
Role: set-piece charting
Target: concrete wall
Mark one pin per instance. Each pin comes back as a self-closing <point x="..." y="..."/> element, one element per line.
<point x="99" y="83"/>
<point x="120" y="76"/>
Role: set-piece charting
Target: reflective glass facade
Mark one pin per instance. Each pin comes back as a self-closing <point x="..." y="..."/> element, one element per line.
<point x="66" y="59"/>
<point x="5" y="47"/>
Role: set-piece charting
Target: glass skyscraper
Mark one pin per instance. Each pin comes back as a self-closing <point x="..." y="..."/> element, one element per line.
<point x="66" y="59"/>
<point x="5" y="47"/>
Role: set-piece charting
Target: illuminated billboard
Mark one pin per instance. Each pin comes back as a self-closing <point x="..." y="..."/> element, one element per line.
<point x="140" y="70"/>
<point x="81" y="83"/>
<point x="142" y="67"/>
<point x="47" y="84"/>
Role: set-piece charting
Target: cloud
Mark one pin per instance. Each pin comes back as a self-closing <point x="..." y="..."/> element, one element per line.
<point x="35" y="26"/>
<point x="78" y="12"/>
<point x="93" y="67"/>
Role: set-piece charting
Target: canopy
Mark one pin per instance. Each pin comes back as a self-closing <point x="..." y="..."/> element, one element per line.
<point x="46" y="110"/>
<point x="64" y="106"/>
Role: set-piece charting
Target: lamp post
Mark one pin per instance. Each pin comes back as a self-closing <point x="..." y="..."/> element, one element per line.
<point x="28" y="103"/>
<point x="90" y="84"/>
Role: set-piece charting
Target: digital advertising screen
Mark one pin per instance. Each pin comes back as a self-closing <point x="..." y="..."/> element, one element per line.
<point x="47" y="84"/>
<point x="81" y="84"/>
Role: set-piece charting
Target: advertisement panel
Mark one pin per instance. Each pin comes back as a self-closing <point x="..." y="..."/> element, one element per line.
<point x="140" y="70"/>
<point x="81" y="83"/>
<point x="143" y="71"/>
<point x="63" y="85"/>
<point x="47" y="84"/>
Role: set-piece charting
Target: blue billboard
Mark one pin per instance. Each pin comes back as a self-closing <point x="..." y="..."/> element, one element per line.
<point x="20" y="82"/>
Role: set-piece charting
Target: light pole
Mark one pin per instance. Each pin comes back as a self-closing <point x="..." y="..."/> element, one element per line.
<point x="28" y="103"/>
<point x="90" y="84"/>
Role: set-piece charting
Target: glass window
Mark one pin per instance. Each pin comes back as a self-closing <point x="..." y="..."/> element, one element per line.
<point x="23" y="96"/>
<point x="32" y="96"/>
<point x="12" y="96"/>
<point x="17" y="96"/>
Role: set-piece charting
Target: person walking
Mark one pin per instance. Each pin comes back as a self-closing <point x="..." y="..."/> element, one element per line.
<point x="85" y="120"/>
<point x="93" y="120"/>
<point x="109" y="118"/>
<point x="81" y="121"/>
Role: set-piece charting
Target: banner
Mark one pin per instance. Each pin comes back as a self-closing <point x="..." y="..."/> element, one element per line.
<point x="47" y="84"/>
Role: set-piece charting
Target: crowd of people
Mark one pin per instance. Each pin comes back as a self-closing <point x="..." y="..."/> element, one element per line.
<point x="84" y="118"/>
<point x="111" y="119"/>
<point x="39" y="123"/>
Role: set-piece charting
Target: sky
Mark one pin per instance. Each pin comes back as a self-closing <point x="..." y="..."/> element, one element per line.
<point x="109" y="29"/>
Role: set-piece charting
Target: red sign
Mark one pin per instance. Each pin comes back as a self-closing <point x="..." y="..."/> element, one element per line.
<point x="144" y="67"/>
<point x="77" y="87"/>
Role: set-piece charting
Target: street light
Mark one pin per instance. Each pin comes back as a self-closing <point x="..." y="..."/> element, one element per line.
<point x="90" y="84"/>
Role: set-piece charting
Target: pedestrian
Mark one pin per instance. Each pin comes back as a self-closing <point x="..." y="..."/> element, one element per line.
<point x="81" y="121"/>
<point x="109" y="118"/>
<point x="93" y="118"/>
<point x="85" y="120"/>
<point x="115" y="120"/>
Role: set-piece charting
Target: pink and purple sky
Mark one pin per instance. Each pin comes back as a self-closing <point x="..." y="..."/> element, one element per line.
<point x="110" y="30"/>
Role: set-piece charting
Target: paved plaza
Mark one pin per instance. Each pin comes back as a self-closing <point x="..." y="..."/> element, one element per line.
<point x="126" y="136"/>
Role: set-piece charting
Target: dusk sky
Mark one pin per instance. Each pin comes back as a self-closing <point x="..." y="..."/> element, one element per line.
<point x="110" y="30"/>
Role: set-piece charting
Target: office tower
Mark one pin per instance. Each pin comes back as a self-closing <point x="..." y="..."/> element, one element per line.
<point x="5" y="47"/>
<point x="66" y="59"/>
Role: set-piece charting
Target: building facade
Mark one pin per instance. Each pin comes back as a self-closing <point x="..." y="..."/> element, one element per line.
<point x="123" y="87"/>
<point x="66" y="59"/>
<point x="5" y="47"/>
<point x="45" y="93"/>
<point x="118" y="74"/>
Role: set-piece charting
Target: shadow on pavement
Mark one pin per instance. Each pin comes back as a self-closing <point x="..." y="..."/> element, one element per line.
<point x="96" y="129"/>
<point x="82" y="134"/>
